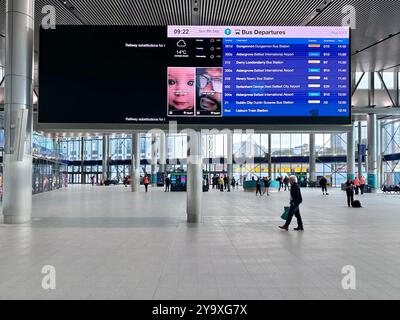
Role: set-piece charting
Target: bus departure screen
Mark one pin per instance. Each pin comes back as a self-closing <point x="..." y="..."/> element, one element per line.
<point x="195" y="75"/>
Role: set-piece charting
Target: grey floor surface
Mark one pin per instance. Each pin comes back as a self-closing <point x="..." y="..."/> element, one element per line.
<point x="109" y="243"/>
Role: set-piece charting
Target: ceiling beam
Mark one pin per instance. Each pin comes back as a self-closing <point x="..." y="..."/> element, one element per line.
<point x="67" y="4"/>
<point x="196" y="12"/>
<point x="392" y="67"/>
<point x="376" y="43"/>
<point x="377" y="111"/>
<point x="316" y="12"/>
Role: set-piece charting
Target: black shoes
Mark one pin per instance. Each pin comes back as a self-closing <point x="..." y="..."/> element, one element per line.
<point x="287" y="228"/>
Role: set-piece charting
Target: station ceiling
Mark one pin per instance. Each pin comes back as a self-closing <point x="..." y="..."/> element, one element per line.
<point x="375" y="19"/>
<point x="375" y="38"/>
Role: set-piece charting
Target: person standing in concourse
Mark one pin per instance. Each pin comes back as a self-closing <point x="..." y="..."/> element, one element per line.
<point x="349" y="185"/>
<point x="323" y="183"/>
<point x="226" y="182"/>
<point x="167" y="184"/>
<point x="280" y="181"/>
<point x="267" y="184"/>
<point x="258" y="187"/>
<point x="286" y="182"/>
<point x="146" y="183"/>
<point x="233" y="182"/>
<point x="295" y="200"/>
<point x="221" y="184"/>
<point x="356" y="184"/>
<point x="362" y="184"/>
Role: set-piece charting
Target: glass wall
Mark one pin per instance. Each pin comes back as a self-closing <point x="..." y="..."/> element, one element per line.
<point x="388" y="78"/>
<point x="289" y="152"/>
<point x="364" y="82"/>
<point x="71" y="148"/>
<point x="47" y="147"/>
<point x="289" y="155"/>
<point x="93" y="148"/>
<point x="120" y="147"/>
<point x="391" y="137"/>
<point x="49" y="171"/>
<point x="48" y="175"/>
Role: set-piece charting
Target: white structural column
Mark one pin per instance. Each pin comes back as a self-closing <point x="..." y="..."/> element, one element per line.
<point x="229" y="156"/>
<point x="351" y="153"/>
<point x="194" y="178"/>
<point x="154" y="159"/>
<point x="270" y="156"/>
<point x="380" y="152"/>
<point x="106" y="157"/>
<point x="135" y="166"/>
<point x="163" y="148"/>
<point x="312" y="165"/>
<point x="17" y="187"/>
<point x="360" y="156"/>
<point x="83" y="171"/>
<point x="372" y="152"/>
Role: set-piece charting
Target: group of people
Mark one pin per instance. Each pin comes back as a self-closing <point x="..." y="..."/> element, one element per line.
<point x="147" y="181"/>
<point x="359" y="184"/>
<point x="263" y="183"/>
<point x="127" y="181"/>
<point x="283" y="183"/>
<point x="224" y="183"/>
<point x="353" y="186"/>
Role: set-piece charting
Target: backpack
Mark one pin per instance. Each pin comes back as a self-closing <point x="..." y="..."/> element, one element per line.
<point x="356" y="204"/>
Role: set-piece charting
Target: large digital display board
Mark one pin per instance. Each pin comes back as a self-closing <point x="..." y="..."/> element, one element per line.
<point x="212" y="75"/>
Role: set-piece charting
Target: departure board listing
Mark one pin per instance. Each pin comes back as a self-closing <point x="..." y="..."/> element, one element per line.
<point x="279" y="71"/>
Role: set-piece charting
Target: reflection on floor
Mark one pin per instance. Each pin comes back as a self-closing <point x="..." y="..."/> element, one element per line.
<point x="109" y="243"/>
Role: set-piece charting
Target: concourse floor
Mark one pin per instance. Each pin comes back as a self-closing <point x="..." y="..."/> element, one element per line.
<point x="109" y="243"/>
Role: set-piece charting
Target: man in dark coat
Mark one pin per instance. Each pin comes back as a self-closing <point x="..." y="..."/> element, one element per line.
<point x="323" y="183"/>
<point x="295" y="200"/>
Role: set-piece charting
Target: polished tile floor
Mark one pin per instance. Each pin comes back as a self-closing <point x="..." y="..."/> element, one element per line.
<point x="109" y="243"/>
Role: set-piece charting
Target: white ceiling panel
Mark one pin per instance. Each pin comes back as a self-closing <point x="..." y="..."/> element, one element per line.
<point x="375" y="19"/>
